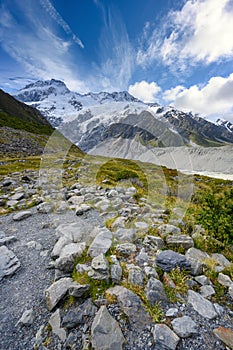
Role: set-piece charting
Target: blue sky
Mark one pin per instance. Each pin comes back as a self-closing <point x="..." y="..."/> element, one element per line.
<point x="173" y="52"/>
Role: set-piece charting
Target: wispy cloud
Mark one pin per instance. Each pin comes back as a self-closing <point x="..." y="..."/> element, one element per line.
<point x="47" y="5"/>
<point x="201" y="32"/>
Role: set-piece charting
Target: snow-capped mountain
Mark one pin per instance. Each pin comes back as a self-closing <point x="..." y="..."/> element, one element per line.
<point x="58" y="104"/>
<point x="225" y="123"/>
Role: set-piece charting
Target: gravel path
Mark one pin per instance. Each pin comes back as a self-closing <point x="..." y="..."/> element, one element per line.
<point x="25" y="289"/>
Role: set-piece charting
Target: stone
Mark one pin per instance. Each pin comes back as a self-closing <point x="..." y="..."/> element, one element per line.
<point x="132" y="306"/>
<point x="167" y="229"/>
<point x="126" y="249"/>
<point x="45" y="208"/>
<point x="136" y="276"/>
<point x="168" y="260"/>
<point x="172" y="312"/>
<point x="100" y="268"/>
<point x="101" y="243"/>
<point x="77" y="290"/>
<point x="151" y="272"/>
<point x="7" y="240"/>
<point x="76" y="200"/>
<point x="224" y="280"/>
<point x="219" y="309"/>
<point x="197" y="259"/>
<point x="203" y="280"/>
<point x="180" y="241"/>
<point x="22" y="215"/>
<point x="55" y="323"/>
<point x="141" y="225"/>
<point x="119" y="222"/>
<point x="27" y="318"/>
<point x="184" y="326"/>
<point x="68" y="255"/>
<point x="103" y="205"/>
<point x="221" y="260"/>
<point x="230" y="291"/>
<point x="115" y="269"/>
<point x="125" y="235"/>
<point x="57" y="291"/>
<point x="62" y="207"/>
<point x="72" y="319"/>
<point x="153" y="243"/>
<point x="9" y="263"/>
<point x="35" y="245"/>
<point x="11" y="203"/>
<point x="105" y="331"/>
<point x="225" y="335"/>
<point x="204" y="307"/>
<point x="206" y="291"/>
<point x="164" y="337"/>
<point x="155" y="291"/>
<point x="18" y="196"/>
<point x="112" y="193"/>
<point x="142" y="258"/>
<point x="81" y="209"/>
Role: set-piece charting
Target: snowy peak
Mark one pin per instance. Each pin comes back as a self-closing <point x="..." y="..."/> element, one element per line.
<point x="225" y="123"/>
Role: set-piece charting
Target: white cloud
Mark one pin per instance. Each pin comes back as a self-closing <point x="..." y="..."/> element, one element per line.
<point x="145" y="91"/>
<point x="200" y="32"/>
<point x="215" y="98"/>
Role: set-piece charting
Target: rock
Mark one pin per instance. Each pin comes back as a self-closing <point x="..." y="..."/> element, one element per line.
<point x="126" y="249"/>
<point x="62" y="207"/>
<point x="197" y="259"/>
<point x="224" y="280"/>
<point x="207" y="291"/>
<point x="142" y="258"/>
<point x="225" y="335"/>
<point x="219" y="309"/>
<point x="155" y="291"/>
<point x="204" y="307"/>
<point x="180" y="240"/>
<point x="221" y="260"/>
<point x="68" y="254"/>
<point x="119" y="222"/>
<point x="76" y="200"/>
<point x="7" y="240"/>
<point x="100" y="268"/>
<point x="18" y="196"/>
<point x="125" y="235"/>
<point x="22" y="215"/>
<point x="101" y="243"/>
<point x="141" y="225"/>
<point x="81" y="209"/>
<point x="9" y="262"/>
<point x="112" y="193"/>
<point x="136" y="276"/>
<point x="27" y="318"/>
<point x="57" y="291"/>
<point x="79" y="315"/>
<point x="77" y="290"/>
<point x="55" y="323"/>
<point x="172" y="312"/>
<point x="230" y="291"/>
<point x="103" y="205"/>
<point x="105" y="331"/>
<point x="132" y="306"/>
<point x="184" y="326"/>
<point x="168" y="260"/>
<point x="45" y="208"/>
<point x="164" y="337"/>
<point x="153" y="243"/>
<point x="203" y="280"/>
<point x="11" y="203"/>
<point x="167" y="229"/>
<point x="116" y="270"/>
<point x="151" y="272"/>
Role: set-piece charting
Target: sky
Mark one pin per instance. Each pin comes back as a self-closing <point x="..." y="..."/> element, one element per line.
<point x="173" y="52"/>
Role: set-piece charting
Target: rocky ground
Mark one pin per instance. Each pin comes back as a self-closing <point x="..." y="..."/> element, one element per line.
<point x="98" y="268"/>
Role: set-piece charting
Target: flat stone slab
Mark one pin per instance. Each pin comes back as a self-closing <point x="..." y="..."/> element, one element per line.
<point x="9" y="263"/>
<point x="101" y="243"/>
<point x="22" y="215"/>
<point x="204" y="307"/>
<point x="57" y="291"/>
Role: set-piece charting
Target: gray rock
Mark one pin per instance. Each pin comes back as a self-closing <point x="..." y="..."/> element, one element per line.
<point x="7" y="240"/>
<point x="100" y="268"/>
<point x="167" y="229"/>
<point x="119" y="222"/>
<point x="219" y="309"/>
<point x="101" y="243"/>
<point x="197" y="259"/>
<point x="79" y="315"/>
<point x="103" y="205"/>
<point x="81" y="209"/>
<point x="155" y="291"/>
<point x="207" y="291"/>
<point x="76" y="200"/>
<point x="224" y="280"/>
<point x="125" y="235"/>
<point x="116" y="270"/>
<point x="68" y="254"/>
<point x="172" y="312"/>
<point x="126" y="249"/>
<point x="203" y="280"/>
<point x="77" y="290"/>
<point x="151" y="272"/>
<point x="57" y="291"/>
<point x="112" y="193"/>
<point x="142" y="258"/>
<point x="22" y="215"/>
<point x="153" y="243"/>
<point x="164" y="337"/>
<point x="141" y="225"/>
<point x="230" y="291"/>
<point x="105" y="331"/>
<point x="27" y="318"/>
<point x="180" y="241"/>
<point x="45" y="208"/>
<point x="9" y="263"/>
<point x="18" y="196"/>
<point x="132" y="306"/>
<point x="55" y="323"/>
<point x="168" y="260"/>
<point x="184" y="326"/>
<point x="35" y="245"/>
<point x="11" y="203"/>
<point x="204" y="307"/>
<point x="221" y="260"/>
<point x="136" y="276"/>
